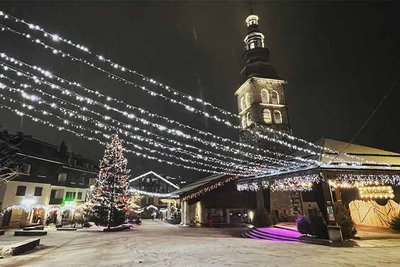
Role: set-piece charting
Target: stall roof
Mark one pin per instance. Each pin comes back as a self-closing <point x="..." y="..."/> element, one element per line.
<point x="197" y="184"/>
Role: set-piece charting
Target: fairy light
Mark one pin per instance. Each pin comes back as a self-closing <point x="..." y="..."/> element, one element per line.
<point x="175" y="92"/>
<point x="167" y="88"/>
<point x="209" y="188"/>
<point x="136" y="146"/>
<point x="101" y="125"/>
<point x="91" y="138"/>
<point x="159" y="127"/>
<point x="152" y="194"/>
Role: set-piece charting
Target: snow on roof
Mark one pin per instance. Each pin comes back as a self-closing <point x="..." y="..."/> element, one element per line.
<point x="155" y="175"/>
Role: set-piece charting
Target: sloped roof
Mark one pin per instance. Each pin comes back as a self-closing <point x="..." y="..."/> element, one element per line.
<point x="197" y="184"/>
<point x="362" y="152"/>
<point x="151" y="173"/>
<point x="368" y="157"/>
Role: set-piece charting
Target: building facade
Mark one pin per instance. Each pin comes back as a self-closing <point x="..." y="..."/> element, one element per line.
<point x="53" y="183"/>
<point x="152" y="193"/>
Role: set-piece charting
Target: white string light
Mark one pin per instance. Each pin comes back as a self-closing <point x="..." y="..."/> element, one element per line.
<point x="192" y="109"/>
<point x="159" y="127"/>
<point x="136" y="146"/>
<point x="72" y="113"/>
<point x="82" y="135"/>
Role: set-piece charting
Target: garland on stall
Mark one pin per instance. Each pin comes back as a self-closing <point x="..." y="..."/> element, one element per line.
<point x="209" y="188"/>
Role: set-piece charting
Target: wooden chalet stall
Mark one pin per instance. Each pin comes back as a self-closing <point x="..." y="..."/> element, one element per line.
<point x="369" y="186"/>
<point x="214" y="201"/>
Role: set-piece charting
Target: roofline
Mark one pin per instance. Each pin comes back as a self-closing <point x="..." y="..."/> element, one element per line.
<point x="155" y="174"/>
<point x="323" y="170"/>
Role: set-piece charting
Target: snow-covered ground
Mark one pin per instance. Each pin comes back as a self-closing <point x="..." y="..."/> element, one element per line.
<point x="160" y="244"/>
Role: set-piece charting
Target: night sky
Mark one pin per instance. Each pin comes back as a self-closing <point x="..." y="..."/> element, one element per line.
<point x="339" y="60"/>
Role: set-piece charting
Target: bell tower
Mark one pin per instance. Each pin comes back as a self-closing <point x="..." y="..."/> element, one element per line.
<point x="261" y="98"/>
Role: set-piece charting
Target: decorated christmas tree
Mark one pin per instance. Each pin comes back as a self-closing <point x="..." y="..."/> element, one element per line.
<point x="109" y="198"/>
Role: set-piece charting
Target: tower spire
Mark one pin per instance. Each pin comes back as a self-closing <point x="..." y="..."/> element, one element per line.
<point x="256" y="55"/>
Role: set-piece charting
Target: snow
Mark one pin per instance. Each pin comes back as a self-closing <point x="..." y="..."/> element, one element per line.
<point x="155" y="243"/>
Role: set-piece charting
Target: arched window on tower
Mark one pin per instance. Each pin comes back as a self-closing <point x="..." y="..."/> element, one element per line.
<point x="274" y="97"/>
<point x="243" y="103"/>
<point x="264" y="96"/>
<point x="277" y="117"/>
<point x="267" y="116"/>
<point x="248" y="118"/>
<point x="244" y="122"/>
<point x="248" y="100"/>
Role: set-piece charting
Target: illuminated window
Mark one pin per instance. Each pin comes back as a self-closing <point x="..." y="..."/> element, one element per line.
<point x="243" y="103"/>
<point x="277" y="116"/>
<point x="267" y="116"/>
<point x="244" y="122"/>
<point x="249" y="121"/>
<point x="264" y="96"/>
<point x="274" y="97"/>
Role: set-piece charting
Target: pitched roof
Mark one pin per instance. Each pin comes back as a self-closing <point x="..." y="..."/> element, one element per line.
<point x="198" y="183"/>
<point x="154" y="175"/>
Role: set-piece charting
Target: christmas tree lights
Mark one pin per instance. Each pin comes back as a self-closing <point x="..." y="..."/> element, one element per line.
<point x="110" y="194"/>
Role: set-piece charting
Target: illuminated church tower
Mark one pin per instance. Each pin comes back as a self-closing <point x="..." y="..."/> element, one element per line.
<point x="261" y="97"/>
<point x="262" y="103"/>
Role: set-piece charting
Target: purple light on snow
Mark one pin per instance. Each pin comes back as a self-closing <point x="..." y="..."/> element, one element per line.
<point x="280" y="232"/>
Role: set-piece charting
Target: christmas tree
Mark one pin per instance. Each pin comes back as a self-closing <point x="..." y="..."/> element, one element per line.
<point x="109" y="198"/>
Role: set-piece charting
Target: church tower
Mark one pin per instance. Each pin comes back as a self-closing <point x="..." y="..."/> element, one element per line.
<point x="262" y="103"/>
<point x="261" y="98"/>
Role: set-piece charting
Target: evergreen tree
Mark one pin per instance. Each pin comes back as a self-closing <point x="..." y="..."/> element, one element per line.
<point x="109" y="199"/>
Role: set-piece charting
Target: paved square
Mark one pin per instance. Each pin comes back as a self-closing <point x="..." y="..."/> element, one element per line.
<point x="161" y="244"/>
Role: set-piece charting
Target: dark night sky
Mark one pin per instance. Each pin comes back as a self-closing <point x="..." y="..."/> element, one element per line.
<point x="339" y="60"/>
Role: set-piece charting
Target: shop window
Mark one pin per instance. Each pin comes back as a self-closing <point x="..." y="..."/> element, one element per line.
<point x="267" y="116"/>
<point x="79" y="195"/>
<point x="38" y="191"/>
<point x="277" y="116"/>
<point x="21" y="189"/>
<point x="274" y="97"/>
<point x="62" y="177"/>
<point x="264" y="96"/>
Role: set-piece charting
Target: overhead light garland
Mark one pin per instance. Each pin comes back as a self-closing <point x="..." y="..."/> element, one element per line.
<point x="136" y="146"/>
<point x="106" y="126"/>
<point x="55" y="37"/>
<point x="192" y="109"/>
<point x="70" y="93"/>
<point x="91" y="138"/>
